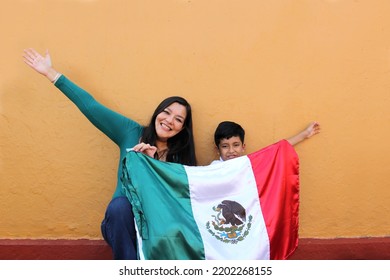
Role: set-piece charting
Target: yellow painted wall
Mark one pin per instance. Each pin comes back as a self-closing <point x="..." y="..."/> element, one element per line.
<point x="272" y="66"/>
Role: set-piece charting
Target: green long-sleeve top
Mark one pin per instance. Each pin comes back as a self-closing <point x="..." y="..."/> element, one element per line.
<point x="120" y="129"/>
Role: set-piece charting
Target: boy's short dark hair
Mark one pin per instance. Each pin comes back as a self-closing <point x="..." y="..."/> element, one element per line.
<point x="228" y="129"/>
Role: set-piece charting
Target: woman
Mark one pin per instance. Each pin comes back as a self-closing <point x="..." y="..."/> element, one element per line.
<point x="168" y="137"/>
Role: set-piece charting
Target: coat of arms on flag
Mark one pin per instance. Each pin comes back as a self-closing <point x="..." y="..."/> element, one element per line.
<point x="229" y="224"/>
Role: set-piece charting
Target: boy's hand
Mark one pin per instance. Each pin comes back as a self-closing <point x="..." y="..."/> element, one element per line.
<point x="312" y="129"/>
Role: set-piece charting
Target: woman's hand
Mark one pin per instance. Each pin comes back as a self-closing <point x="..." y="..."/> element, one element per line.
<point x="146" y="149"/>
<point x="40" y="64"/>
<point x="36" y="61"/>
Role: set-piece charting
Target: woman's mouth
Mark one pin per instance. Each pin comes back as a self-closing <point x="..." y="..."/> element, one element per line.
<point x="165" y="127"/>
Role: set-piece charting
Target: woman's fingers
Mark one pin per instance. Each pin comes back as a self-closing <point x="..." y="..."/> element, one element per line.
<point x="146" y="149"/>
<point x="36" y="61"/>
<point x="141" y="147"/>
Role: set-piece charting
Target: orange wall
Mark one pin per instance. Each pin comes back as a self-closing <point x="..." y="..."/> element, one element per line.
<point x="273" y="66"/>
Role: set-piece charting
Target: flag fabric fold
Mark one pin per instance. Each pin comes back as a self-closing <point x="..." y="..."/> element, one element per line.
<point x="245" y="208"/>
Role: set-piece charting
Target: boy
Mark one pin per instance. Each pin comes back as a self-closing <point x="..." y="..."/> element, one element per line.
<point x="229" y="139"/>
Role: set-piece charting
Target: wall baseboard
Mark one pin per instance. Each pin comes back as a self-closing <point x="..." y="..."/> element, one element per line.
<point x="84" y="249"/>
<point x="370" y="248"/>
<point x="44" y="249"/>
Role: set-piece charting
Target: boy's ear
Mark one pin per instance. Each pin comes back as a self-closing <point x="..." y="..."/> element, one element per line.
<point x="216" y="149"/>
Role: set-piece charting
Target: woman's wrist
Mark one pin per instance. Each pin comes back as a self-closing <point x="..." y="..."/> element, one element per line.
<point x="52" y="75"/>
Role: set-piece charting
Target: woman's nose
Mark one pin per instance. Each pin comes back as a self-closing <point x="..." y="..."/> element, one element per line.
<point x="169" y="119"/>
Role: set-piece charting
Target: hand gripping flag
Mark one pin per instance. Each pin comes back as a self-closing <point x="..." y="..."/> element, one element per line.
<point x="244" y="209"/>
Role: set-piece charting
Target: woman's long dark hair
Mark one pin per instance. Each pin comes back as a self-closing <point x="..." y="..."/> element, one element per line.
<point x="181" y="147"/>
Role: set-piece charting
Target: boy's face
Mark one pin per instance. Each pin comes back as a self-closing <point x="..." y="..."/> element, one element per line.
<point x="231" y="148"/>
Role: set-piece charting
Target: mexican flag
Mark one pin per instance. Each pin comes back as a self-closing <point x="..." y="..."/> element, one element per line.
<point x="244" y="209"/>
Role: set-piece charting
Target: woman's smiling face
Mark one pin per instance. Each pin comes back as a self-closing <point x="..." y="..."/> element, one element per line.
<point x="170" y="121"/>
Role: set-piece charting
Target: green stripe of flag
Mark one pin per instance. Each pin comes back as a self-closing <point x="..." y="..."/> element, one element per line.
<point x="169" y="231"/>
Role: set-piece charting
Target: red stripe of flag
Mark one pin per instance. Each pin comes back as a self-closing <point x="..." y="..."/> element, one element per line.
<point x="276" y="169"/>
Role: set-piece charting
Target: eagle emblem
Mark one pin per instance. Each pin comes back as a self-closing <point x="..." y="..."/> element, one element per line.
<point x="229" y="223"/>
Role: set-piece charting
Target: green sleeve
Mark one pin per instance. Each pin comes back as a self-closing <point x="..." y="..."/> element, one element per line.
<point x="116" y="126"/>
